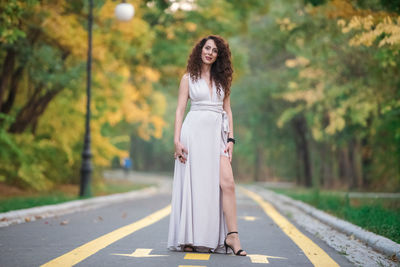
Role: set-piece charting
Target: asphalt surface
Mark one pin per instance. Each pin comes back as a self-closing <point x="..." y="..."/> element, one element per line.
<point x="39" y="242"/>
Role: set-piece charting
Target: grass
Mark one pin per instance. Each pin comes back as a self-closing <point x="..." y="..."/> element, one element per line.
<point x="381" y="216"/>
<point x="18" y="199"/>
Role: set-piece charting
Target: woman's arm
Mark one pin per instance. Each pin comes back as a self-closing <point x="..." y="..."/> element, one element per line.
<point x="227" y="108"/>
<point x="180" y="112"/>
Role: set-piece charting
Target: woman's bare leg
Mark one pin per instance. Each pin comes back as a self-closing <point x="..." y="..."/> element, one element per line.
<point x="229" y="202"/>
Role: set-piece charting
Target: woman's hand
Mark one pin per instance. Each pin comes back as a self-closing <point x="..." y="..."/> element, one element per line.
<point x="229" y="149"/>
<point x="180" y="152"/>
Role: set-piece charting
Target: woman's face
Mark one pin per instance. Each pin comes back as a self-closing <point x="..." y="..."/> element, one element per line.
<point x="209" y="52"/>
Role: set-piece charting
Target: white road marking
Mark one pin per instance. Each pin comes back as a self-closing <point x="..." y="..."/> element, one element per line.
<point x="249" y="218"/>
<point x="257" y="258"/>
<point x="140" y="253"/>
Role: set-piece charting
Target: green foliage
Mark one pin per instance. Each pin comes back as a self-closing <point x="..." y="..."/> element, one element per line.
<point x="391" y="5"/>
<point x="302" y="66"/>
<point x="315" y="2"/>
<point x="62" y="195"/>
<point x="17" y="203"/>
<point x="136" y="67"/>
<point x="10" y="13"/>
<point x="305" y="102"/>
<point x="28" y="161"/>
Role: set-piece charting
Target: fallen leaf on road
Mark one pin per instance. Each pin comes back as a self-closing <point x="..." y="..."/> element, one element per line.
<point x="3" y="219"/>
<point x="27" y="219"/>
<point x="46" y="222"/>
<point x="64" y="222"/>
<point x="99" y="218"/>
<point x="37" y="217"/>
<point x="124" y="215"/>
<point x="394" y="258"/>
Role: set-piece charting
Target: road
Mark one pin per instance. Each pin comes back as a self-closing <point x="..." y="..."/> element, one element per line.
<point x="125" y="235"/>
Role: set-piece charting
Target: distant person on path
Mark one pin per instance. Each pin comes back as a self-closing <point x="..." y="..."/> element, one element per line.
<point x="203" y="216"/>
<point x="127" y="164"/>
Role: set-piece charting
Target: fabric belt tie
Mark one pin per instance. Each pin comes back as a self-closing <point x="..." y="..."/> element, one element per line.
<point x="215" y="107"/>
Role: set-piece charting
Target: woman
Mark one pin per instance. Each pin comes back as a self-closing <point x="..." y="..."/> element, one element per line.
<point x="203" y="198"/>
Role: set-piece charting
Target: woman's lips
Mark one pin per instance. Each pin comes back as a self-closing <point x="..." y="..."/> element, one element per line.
<point x="208" y="58"/>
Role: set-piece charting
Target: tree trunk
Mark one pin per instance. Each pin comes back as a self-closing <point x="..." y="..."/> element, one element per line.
<point x="32" y="111"/>
<point x="136" y="153"/>
<point x="299" y="167"/>
<point x="366" y="159"/>
<point x="326" y="170"/>
<point x="356" y="175"/>
<point x="300" y="129"/>
<point x="16" y="77"/>
<point x="8" y="67"/>
<point x="148" y="153"/>
<point x="258" y="163"/>
<point x="345" y="172"/>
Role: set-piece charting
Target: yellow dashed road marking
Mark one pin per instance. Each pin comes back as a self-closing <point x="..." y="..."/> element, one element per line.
<point x="197" y="256"/>
<point x="314" y="253"/>
<point x="79" y="254"/>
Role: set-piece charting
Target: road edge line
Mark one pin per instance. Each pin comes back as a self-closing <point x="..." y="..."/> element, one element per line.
<point x="380" y="243"/>
<point x="312" y="251"/>
<point x="92" y="247"/>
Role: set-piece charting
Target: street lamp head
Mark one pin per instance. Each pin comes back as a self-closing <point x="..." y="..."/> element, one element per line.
<point x="124" y="11"/>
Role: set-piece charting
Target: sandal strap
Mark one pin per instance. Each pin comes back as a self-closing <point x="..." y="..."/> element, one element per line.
<point x="232" y="233"/>
<point x="238" y="252"/>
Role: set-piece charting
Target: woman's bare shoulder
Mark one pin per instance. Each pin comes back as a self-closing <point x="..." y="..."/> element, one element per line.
<point x="186" y="76"/>
<point x="185" y="80"/>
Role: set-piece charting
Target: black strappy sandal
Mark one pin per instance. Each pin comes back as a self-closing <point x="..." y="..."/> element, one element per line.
<point x="237" y="253"/>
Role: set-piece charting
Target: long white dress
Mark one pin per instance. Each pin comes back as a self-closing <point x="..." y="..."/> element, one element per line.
<point x="197" y="216"/>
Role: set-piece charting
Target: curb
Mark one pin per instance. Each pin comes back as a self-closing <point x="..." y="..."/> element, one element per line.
<point x="35" y="213"/>
<point x="377" y="242"/>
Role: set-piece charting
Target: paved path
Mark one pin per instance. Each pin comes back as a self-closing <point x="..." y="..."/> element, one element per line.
<point x="125" y="235"/>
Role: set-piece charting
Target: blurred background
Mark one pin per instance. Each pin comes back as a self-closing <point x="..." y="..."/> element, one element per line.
<point x="315" y="96"/>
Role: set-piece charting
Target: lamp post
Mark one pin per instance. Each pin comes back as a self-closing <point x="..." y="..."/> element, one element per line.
<point x="124" y="12"/>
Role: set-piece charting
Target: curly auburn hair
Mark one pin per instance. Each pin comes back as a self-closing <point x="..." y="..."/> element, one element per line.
<point x="221" y="70"/>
